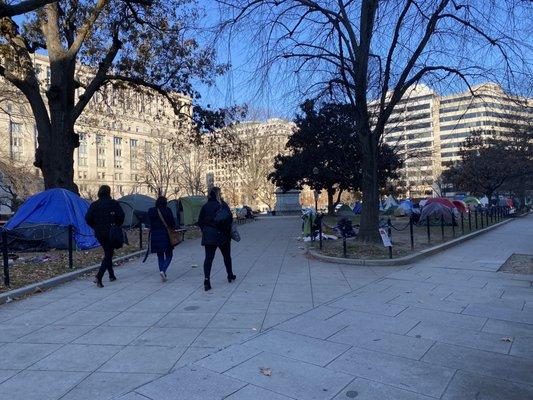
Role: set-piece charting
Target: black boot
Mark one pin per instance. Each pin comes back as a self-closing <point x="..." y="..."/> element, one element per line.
<point x="231" y="277"/>
<point x="207" y="285"/>
<point x="98" y="282"/>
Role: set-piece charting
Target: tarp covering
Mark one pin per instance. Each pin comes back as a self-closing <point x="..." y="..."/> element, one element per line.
<point x="135" y="208"/>
<point x="434" y="212"/>
<point x="56" y="209"/>
<point x="484" y="200"/>
<point x="345" y="211"/>
<point x="357" y="208"/>
<point x="389" y="203"/>
<point x="460" y="205"/>
<point x="189" y="209"/>
<point x="405" y="208"/>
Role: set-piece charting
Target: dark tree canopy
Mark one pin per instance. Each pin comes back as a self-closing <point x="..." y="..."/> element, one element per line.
<point x="94" y="44"/>
<point x="325" y="154"/>
<point x="22" y="7"/>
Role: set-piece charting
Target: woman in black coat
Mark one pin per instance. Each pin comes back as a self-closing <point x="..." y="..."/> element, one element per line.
<point x="103" y="213"/>
<point x="159" y="239"/>
<point x="215" y="221"/>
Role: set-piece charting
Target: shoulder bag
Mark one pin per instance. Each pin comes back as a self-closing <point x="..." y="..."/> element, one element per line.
<point x="175" y="237"/>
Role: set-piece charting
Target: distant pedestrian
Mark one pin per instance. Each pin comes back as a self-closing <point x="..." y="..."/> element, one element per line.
<point x="102" y="215"/>
<point x="215" y="221"/>
<point x="161" y="220"/>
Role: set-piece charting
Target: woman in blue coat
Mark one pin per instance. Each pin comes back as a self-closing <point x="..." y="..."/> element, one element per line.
<point x="160" y="218"/>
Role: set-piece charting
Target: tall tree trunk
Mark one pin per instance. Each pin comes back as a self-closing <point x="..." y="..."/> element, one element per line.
<point x="368" y="231"/>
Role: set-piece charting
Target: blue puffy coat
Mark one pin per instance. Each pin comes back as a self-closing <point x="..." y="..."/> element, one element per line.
<point x="159" y="240"/>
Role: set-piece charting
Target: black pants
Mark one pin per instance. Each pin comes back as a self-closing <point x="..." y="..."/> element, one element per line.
<point x="210" y="250"/>
<point x="107" y="263"/>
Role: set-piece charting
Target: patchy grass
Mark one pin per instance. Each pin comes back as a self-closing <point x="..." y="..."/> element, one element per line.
<point x="29" y="268"/>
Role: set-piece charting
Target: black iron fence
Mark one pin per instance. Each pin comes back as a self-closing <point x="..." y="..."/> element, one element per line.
<point x="42" y="238"/>
<point x="461" y="224"/>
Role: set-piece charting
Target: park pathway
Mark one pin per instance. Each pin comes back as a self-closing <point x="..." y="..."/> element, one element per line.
<point x="448" y="327"/>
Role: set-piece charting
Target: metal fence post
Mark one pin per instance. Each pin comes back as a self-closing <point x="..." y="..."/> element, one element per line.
<point x="411" y="233"/>
<point x="5" y="255"/>
<point x="469" y="221"/>
<point x="140" y="236"/>
<point x="320" y="232"/>
<point x="482" y="222"/>
<point x="344" y="245"/>
<point x="453" y="224"/>
<point x="462" y="223"/>
<point x="389" y="223"/>
<point x="487" y="212"/>
<point x="70" y="247"/>
<point x="442" y="226"/>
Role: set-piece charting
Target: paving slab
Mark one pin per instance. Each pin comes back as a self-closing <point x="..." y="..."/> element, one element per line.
<point x="55" y="334"/>
<point x="502" y="313"/>
<point x="364" y="389"/>
<point x="228" y="358"/>
<point x="104" y="385"/>
<point x="420" y="377"/>
<point x="111" y="335"/>
<point x="143" y="359"/>
<point x="480" y="362"/>
<point x="76" y="358"/>
<point x="443" y="317"/>
<point x="299" y="347"/>
<point x="256" y="393"/>
<point x="40" y="385"/>
<point x="467" y="386"/>
<point x="390" y="343"/>
<point x="191" y="383"/>
<point x="22" y="355"/>
<point x="167" y="337"/>
<point x="508" y="328"/>
<point x="295" y="379"/>
<point x="461" y="336"/>
<point x="308" y="326"/>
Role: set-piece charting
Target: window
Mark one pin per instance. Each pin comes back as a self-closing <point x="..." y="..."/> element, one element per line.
<point x="101" y="175"/>
<point x="118" y="176"/>
<point x="82" y="174"/>
<point x="16" y="140"/>
<point x="134" y="156"/>
<point x="117" y="152"/>
<point x="82" y="150"/>
<point x="135" y="177"/>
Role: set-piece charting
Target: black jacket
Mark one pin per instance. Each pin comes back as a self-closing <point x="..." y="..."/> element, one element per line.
<point x="212" y="233"/>
<point x="159" y="240"/>
<point x="101" y="215"/>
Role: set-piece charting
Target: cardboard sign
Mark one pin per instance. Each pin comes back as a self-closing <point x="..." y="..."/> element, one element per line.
<point x="385" y="237"/>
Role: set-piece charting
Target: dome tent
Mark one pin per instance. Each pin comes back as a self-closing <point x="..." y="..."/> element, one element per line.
<point x="187" y="209"/>
<point x="460" y="205"/>
<point x="471" y="201"/>
<point x="434" y="212"/>
<point x="136" y="208"/>
<point x="48" y="214"/>
<point x="345" y="211"/>
<point x="389" y="205"/>
<point x="405" y="208"/>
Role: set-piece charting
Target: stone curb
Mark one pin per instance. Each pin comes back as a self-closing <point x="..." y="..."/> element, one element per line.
<point x="407" y="259"/>
<point x="57" y="280"/>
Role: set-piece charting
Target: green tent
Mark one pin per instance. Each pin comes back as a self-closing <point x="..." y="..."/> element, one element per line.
<point x="189" y="209"/>
<point x="345" y="211"/>
<point x="471" y="201"/>
<point x="135" y="208"/>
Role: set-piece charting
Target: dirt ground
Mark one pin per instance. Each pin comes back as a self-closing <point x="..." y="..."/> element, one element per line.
<point x="28" y="268"/>
<point x="518" y="264"/>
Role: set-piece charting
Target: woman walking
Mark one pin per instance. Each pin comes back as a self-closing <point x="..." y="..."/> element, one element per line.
<point x="161" y="220"/>
<point x="215" y="221"/>
<point x="101" y="216"/>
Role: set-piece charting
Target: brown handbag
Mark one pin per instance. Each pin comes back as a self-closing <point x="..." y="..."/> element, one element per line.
<point x="175" y="236"/>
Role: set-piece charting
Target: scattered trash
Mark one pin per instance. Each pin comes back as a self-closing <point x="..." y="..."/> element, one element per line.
<point x="507" y="339"/>
<point x="9" y="300"/>
<point x="194" y="266"/>
<point x="38" y="290"/>
<point x="266" y="371"/>
<point x="254" y="329"/>
<point x="301" y="248"/>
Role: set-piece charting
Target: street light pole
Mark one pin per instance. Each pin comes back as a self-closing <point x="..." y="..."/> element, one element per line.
<point x="316" y="192"/>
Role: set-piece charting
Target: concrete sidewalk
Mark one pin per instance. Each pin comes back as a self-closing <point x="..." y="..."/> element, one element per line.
<point x="449" y="327"/>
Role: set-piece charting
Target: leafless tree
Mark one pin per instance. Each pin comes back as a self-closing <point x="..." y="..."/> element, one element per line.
<point x="370" y="52"/>
<point x="192" y="171"/>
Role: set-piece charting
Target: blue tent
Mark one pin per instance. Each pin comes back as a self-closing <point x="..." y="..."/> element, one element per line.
<point x="357" y="208"/>
<point x="47" y="215"/>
